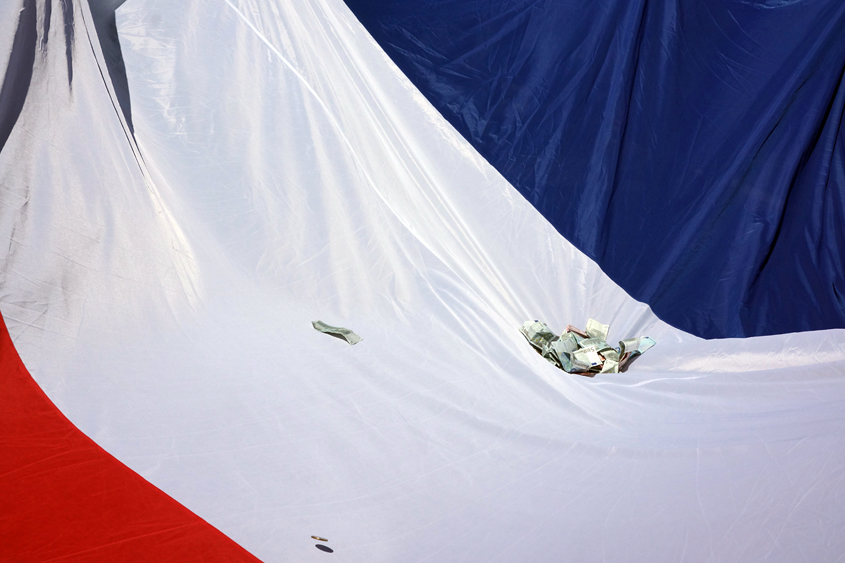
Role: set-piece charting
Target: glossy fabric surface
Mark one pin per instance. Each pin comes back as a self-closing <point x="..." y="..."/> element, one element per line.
<point x="65" y="499"/>
<point x="695" y="150"/>
<point x="160" y="282"/>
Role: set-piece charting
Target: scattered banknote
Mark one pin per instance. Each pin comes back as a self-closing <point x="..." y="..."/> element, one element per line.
<point x="538" y="334"/>
<point x="588" y="356"/>
<point x="596" y="330"/>
<point x="337" y="331"/>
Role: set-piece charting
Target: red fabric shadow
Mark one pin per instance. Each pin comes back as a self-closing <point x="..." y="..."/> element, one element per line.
<point x="64" y="498"/>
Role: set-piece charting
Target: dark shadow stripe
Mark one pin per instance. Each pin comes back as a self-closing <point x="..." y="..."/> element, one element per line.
<point x="48" y="15"/>
<point x="67" y="14"/>
<point x="19" y="72"/>
<point x="103" y="13"/>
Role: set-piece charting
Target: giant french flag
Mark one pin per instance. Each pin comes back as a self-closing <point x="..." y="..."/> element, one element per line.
<point x="186" y="186"/>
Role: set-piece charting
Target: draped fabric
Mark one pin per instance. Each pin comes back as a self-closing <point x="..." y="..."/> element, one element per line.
<point x="695" y="150"/>
<point x="65" y="499"/>
<point x="179" y="211"/>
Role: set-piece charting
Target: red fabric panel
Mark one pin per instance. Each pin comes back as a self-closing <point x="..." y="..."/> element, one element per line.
<point x="63" y="498"/>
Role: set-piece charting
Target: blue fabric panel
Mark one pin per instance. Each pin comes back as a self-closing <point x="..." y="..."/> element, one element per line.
<point x="695" y="149"/>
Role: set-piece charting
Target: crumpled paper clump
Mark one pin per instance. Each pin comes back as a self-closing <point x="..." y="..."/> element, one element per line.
<point x="584" y="352"/>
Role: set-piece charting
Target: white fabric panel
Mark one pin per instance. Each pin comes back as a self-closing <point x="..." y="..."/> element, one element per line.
<point x="161" y="289"/>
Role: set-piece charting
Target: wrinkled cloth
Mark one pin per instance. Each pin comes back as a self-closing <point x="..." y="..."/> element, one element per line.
<point x="693" y="149"/>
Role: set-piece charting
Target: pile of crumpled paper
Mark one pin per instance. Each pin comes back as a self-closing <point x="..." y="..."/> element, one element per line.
<point x="583" y="352"/>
